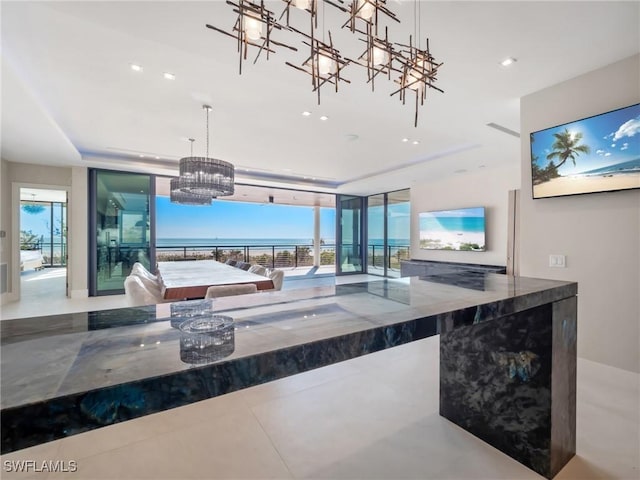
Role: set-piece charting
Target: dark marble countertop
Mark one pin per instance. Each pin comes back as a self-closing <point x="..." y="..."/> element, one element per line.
<point x="60" y="355"/>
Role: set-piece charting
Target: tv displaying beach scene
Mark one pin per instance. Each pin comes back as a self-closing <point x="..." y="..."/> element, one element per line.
<point x="595" y="154"/>
<point x="460" y="229"/>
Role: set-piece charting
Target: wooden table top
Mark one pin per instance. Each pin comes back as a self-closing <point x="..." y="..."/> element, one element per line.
<point x="191" y="279"/>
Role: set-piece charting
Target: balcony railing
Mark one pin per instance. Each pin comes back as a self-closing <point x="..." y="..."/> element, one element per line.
<point x="271" y="256"/>
<point x="53" y="252"/>
<point x="394" y="254"/>
<point x="278" y="256"/>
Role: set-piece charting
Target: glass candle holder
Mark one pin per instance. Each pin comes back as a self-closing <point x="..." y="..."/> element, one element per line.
<point x="182" y="311"/>
<point x="206" y="339"/>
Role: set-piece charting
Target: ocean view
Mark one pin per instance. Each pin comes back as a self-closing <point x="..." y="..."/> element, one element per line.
<point x="451" y="224"/>
<point x="231" y="242"/>
<point x="631" y="166"/>
<point x="462" y="229"/>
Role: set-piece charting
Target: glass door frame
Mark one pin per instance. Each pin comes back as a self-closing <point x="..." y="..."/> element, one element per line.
<point x="52" y="206"/>
<point x="361" y="254"/>
<point x="92" y="227"/>
<point x="387" y="250"/>
<point x="385" y="236"/>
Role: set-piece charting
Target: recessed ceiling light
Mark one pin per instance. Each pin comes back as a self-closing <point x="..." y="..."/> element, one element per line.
<point x="157" y="158"/>
<point x="324" y="117"/>
<point x="141" y="156"/>
<point x="306" y="114"/>
<point x="415" y="142"/>
<point x="405" y="140"/>
<point x="508" y="61"/>
<point x="136" y="68"/>
<point x="169" y="76"/>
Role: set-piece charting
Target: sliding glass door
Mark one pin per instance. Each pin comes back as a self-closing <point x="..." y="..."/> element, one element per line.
<point x="44" y="228"/>
<point x="398" y="230"/>
<point x="349" y="234"/>
<point x="121" y="228"/>
<point x="388" y="230"/>
<point x="376" y="228"/>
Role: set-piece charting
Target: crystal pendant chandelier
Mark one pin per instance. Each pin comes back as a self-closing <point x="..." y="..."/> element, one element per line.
<point x="183" y="198"/>
<point x="204" y="175"/>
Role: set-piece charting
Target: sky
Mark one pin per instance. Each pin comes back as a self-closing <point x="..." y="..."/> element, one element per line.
<point x="461" y="212"/>
<point x="226" y="219"/>
<point x="613" y="137"/>
<point x="39" y="223"/>
<point x="398" y="222"/>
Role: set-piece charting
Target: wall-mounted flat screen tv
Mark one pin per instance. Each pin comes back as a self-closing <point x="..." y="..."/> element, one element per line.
<point x="460" y="229"/>
<point x="595" y="154"/>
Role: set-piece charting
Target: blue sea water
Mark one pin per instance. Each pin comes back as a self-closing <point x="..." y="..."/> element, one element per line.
<point x="631" y="166"/>
<point x="223" y="242"/>
<point x="452" y="224"/>
<point x="220" y="242"/>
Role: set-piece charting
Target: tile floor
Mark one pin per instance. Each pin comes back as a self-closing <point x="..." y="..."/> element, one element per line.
<point x="373" y="417"/>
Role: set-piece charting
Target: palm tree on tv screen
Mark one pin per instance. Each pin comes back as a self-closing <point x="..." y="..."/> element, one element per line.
<point x="566" y="147"/>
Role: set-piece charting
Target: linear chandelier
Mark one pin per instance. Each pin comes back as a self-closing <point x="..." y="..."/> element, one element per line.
<point x="253" y="27"/>
<point x="414" y="69"/>
<point x="202" y="178"/>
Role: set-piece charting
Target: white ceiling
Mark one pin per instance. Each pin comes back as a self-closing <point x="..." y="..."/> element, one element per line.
<point x="252" y="194"/>
<point x="72" y="60"/>
<point x="42" y="195"/>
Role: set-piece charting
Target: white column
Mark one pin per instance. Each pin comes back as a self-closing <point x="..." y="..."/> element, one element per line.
<point x="78" y="247"/>
<point x="316" y="236"/>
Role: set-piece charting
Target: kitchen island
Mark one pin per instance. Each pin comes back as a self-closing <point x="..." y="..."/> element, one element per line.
<point x="507" y="356"/>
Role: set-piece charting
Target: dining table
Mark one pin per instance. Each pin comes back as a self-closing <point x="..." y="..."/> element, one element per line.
<point x="190" y="279"/>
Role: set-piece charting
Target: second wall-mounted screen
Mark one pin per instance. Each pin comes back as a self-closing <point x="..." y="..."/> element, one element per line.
<point x="460" y="229"/>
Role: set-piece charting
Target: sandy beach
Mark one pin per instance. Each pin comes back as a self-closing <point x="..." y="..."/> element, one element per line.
<point x="572" y="185"/>
<point x="451" y="239"/>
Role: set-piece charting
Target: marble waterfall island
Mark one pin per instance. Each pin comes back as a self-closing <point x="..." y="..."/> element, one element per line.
<point x="507" y="356"/>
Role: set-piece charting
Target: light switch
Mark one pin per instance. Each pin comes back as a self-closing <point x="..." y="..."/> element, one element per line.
<point x="558" y="261"/>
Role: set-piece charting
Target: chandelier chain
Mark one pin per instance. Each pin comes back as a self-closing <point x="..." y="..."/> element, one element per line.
<point x="207" y="110"/>
<point x="323" y="15"/>
<point x="415" y="18"/>
<point x="420" y="25"/>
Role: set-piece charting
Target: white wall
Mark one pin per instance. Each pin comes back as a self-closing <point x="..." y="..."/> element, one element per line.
<point x="599" y="233"/>
<point x="74" y="180"/>
<point x="487" y="187"/>
<point x="5" y="225"/>
<point x="78" y="211"/>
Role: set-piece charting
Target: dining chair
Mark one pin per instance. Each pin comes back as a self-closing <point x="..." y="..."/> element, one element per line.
<point x="277" y="277"/>
<point x="150" y="281"/>
<point x="141" y="271"/>
<point x="216" y="291"/>
<point x="138" y="294"/>
<point x="258" y="270"/>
